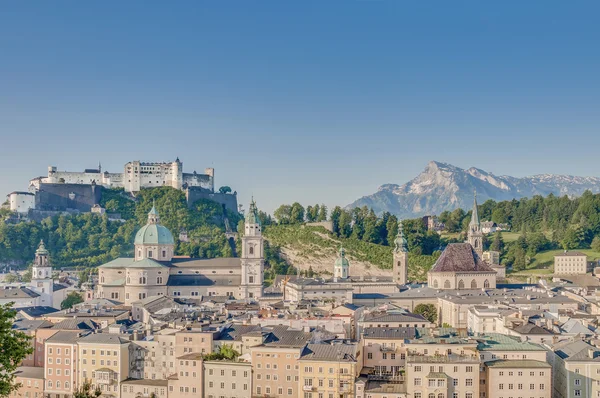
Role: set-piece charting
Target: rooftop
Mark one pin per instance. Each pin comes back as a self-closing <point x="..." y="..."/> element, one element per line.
<point x="342" y="352"/>
<point x="500" y="342"/>
<point x="517" y="363"/>
<point x="460" y="257"/>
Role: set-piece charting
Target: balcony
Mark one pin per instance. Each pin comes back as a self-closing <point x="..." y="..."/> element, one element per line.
<point x="387" y="376"/>
<point x="309" y="388"/>
<point x="384" y="348"/>
<point x="443" y="359"/>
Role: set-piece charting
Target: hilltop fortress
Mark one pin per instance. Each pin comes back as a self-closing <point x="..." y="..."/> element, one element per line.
<point x="72" y="191"/>
<point x="135" y="176"/>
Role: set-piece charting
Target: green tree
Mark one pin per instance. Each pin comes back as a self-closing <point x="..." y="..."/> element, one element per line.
<point x="322" y="213"/>
<point x="71" y="299"/>
<point x="225" y="189"/>
<point x="14" y="347"/>
<point x="309" y="214"/>
<point x="283" y="214"/>
<point x="297" y="213"/>
<point x="596" y="244"/>
<point x="11" y="278"/>
<point x="497" y="243"/>
<point x="85" y="391"/>
<point x="428" y="311"/>
<point x="225" y="351"/>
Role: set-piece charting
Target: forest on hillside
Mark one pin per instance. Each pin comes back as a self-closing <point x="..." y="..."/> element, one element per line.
<point x="91" y="239"/>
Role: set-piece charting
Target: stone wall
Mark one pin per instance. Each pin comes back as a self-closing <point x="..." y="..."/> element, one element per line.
<point x="63" y="197"/>
<point x="193" y="194"/>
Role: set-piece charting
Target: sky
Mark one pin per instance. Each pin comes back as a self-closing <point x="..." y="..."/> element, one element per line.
<point x="308" y="101"/>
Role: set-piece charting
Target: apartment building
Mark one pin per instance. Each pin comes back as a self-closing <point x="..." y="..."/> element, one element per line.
<point x="136" y="388"/>
<point x="158" y="355"/>
<point x="31" y="380"/>
<point x="61" y="368"/>
<point x="329" y="370"/>
<point x="34" y="329"/>
<point x="518" y="377"/>
<point x="275" y="362"/>
<point x="194" y="340"/>
<point x="576" y="370"/>
<point x="104" y="361"/>
<point x="227" y="379"/>
<point x="384" y="349"/>
<point x="187" y="382"/>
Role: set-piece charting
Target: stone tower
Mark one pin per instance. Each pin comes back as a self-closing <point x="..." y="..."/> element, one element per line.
<point x="341" y="268"/>
<point x="41" y="277"/>
<point x="253" y="260"/>
<point x="475" y="236"/>
<point x="400" y="266"/>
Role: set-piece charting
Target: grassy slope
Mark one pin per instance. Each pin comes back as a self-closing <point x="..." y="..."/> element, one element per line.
<point x="313" y="243"/>
<point x="542" y="263"/>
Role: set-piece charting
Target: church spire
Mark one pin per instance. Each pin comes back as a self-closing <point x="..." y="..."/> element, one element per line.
<point x="474" y="215"/>
<point x="400" y="241"/>
<point x="153" y="217"/>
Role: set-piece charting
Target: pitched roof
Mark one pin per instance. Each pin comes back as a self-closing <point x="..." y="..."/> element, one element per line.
<point x="105" y="338"/>
<point x="37" y="311"/>
<point x="500" y="342"/>
<point x="68" y="337"/>
<point x="577" y="351"/>
<point x="388" y="317"/>
<point x="30" y="372"/>
<point x="203" y="280"/>
<point x="390" y="333"/>
<point x="460" y="257"/>
<point x="75" y="324"/>
<point x="530" y="328"/>
<point x="570" y="254"/>
<point x="517" y="363"/>
<point x="344" y="352"/>
<point x="16" y="293"/>
<point x="283" y="336"/>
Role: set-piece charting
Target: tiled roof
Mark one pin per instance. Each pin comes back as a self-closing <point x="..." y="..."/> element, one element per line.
<point x="570" y="254"/>
<point x="577" y="351"/>
<point x="530" y="328"/>
<point x="460" y="257"/>
<point x="203" y="280"/>
<point x="390" y="333"/>
<point x="387" y="317"/>
<point x="146" y="382"/>
<point x="64" y="336"/>
<point x="25" y="324"/>
<point x="517" y="363"/>
<point x="16" y="293"/>
<point x="76" y="324"/>
<point x="283" y="336"/>
<point x="210" y="263"/>
<point x="104" y="338"/>
<point x="331" y="352"/>
<point x="235" y="332"/>
<point x="30" y="372"/>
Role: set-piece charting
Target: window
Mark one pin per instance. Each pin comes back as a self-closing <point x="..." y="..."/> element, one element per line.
<point x="370" y="355"/>
<point x="469" y="382"/>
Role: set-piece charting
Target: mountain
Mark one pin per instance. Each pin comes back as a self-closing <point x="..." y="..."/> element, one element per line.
<point x="442" y="186"/>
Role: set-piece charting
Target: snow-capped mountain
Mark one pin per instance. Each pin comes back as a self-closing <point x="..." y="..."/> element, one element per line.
<point x="442" y="186"/>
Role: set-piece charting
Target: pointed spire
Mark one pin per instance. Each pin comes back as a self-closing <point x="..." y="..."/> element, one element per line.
<point x="474" y="215"/>
<point x="342" y="251"/>
<point x="153" y="214"/>
<point x="252" y="215"/>
<point x="400" y="241"/>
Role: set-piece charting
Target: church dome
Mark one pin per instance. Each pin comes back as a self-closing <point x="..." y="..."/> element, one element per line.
<point x="154" y="234"/>
<point x="342" y="261"/>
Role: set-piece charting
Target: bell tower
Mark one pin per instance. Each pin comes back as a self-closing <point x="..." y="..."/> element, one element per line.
<point x="41" y="276"/>
<point x="253" y="260"/>
<point x="400" y="267"/>
<point x="475" y="236"/>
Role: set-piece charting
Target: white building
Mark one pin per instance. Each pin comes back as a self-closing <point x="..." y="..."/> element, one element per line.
<point x="41" y="277"/>
<point x="135" y="176"/>
<point x="21" y="202"/>
<point x="570" y="263"/>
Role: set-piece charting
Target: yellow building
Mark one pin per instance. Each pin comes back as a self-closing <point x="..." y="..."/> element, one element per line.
<point x="104" y="361"/>
<point x="329" y="370"/>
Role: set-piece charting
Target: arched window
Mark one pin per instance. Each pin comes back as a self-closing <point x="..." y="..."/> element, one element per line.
<point x="66" y="385"/>
<point x="251" y="250"/>
<point x="139" y="253"/>
<point x="102" y="280"/>
<point x="128" y="280"/>
<point x="473" y="284"/>
<point x="49" y="383"/>
<point x="476" y="243"/>
<point x="486" y="284"/>
<point x="461" y="284"/>
<point x="440" y="395"/>
<point x="431" y="395"/>
<point x="58" y="384"/>
<point x="447" y="284"/>
<point x="435" y="283"/>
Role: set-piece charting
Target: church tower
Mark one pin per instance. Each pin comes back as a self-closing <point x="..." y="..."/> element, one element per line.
<point x="253" y="260"/>
<point x="400" y="267"/>
<point x="341" y="267"/>
<point x="41" y="277"/>
<point x="475" y="236"/>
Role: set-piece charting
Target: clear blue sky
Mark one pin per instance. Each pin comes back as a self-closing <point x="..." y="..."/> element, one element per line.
<point x="314" y="101"/>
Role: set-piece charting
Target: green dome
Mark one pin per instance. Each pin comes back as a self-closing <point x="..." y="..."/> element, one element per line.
<point x="154" y="234"/>
<point x="342" y="261"/>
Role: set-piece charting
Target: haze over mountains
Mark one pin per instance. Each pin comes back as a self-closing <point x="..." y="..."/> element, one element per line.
<point x="442" y="186"/>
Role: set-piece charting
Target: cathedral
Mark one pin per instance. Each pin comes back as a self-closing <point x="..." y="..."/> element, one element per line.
<point x="461" y="265"/>
<point x="156" y="271"/>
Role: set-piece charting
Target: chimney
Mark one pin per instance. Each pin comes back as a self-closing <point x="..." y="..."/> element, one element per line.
<point x="591" y="353"/>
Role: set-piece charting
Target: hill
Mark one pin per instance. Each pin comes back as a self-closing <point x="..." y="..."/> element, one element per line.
<point x="444" y="187"/>
<point x="315" y="248"/>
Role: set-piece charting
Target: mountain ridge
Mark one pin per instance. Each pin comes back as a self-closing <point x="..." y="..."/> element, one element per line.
<point x="443" y="186"/>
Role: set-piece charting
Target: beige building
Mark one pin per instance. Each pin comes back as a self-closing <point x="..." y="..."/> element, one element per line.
<point x="518" y="378"/>
<point x="187" y="382"/>
<point x="104" y="361"/>
<point x="227" y="379"/>
<point x="570" y="263"/>
<point x="461" y="268"/>
<point x="61" y="367"/>
<point x="31" y="380"/>
<point x="140" y="388"/>
<point x="329" y="370"/>
<point x="275" y="362"/>
<point x="442" y="376"/>
<point x="576" y="370"/>
<point x="384" y="349"/>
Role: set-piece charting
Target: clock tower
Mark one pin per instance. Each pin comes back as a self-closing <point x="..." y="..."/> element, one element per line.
<point x="41" y="277"/>
<point x="253" y="260"/>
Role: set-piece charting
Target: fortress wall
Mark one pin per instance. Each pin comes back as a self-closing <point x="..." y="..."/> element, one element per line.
<point x="193" y="194"/>
<point x="60" y="197"/>
<point x="204" y="181"/>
